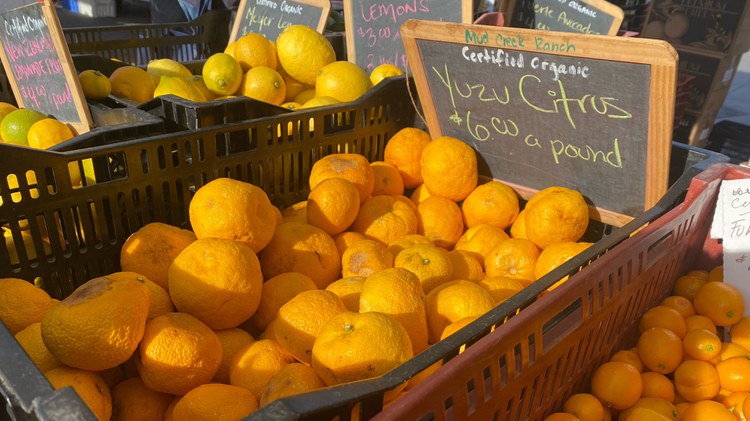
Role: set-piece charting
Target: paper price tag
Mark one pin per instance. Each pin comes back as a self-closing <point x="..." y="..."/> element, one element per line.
<point x="734" y="208"/>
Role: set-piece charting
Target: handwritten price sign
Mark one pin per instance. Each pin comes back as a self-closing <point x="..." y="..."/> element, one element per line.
<point x="544" y="108"/>
<point x="36" y="64"/>
<point x="732" y="223"/>
<point x="596" y="17"/>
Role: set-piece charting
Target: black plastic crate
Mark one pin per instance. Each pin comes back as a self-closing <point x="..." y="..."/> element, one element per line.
<point x="731" y="139"/>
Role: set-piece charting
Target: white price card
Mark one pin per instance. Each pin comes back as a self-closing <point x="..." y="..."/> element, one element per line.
<point x="734" y="208"/>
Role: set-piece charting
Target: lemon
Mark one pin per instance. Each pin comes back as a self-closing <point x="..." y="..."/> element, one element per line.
<point x="6" y="109"/>
<point x="178" y="86"/>
<point x="293" y="86"/>
<point x="264" y="84"/>
<point x="342" y="80"/>
<point x="132" y="83"/>
<point x="303" y="52"/>
<point x="200" y="84"/>
<point x="95" y="84"/>
<point x="230" y="48"/>
<point x="305" y="96"/>
<point x="253" y="50"/>
<point x="222" y="74"/>
<point x="167" y="67"/>
<point x="48" y="132"/>
<point x="15" y="126"/>
<point x="383" y="71"/>
<point x="320" y="101"/>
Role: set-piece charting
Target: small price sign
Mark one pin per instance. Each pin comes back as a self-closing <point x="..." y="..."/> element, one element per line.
<point x="732" y="224"/>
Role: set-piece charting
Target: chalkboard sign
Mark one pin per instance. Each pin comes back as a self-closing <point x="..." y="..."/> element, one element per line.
<point x="372" y="27"/>
<point x="595" y="17"/>
<point x="38" y="64"/>
<point x="548" y="108"/>
<point x="270" y="17"/>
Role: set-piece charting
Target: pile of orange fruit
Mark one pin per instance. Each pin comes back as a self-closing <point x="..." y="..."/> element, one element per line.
<point x="691" y="361"/>
<point x="256" y="303"/>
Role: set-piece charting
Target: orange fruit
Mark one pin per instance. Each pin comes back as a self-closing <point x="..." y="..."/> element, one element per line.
<point x="292" y="379"/>
<point x="449" y="168"/>
<point x="679" y="303"/>
<point x="349" y="290"/>
<point x="349" y="166"/>
<point x="453" y="301"/>
<point x="398" y="293"/>
<point x="455" y="327"/>
<point x="357" y="346"/>
<point x="439" y="219"/>
<point x="88" y="385"/>
<point x="161" y="302"/>
<point x="407" y="241"/>
<point x="431" y="264"/>
<point x="252" y="50"/>
<point x="735" y="402"/>
<point x="233" y="210"/>
<point x="501" y="287"/>
<point x="696" y="380"/>
<point x="716" y="274"/>
<point x="585" y="406"/>
<point x="657" y="385"/>
<point x="276" y="292"/>
<point x="514" y="257"/>
<point x="480" y="239"/>
<point x="686" y="286"/>
<point x="133" y="83"/>
<point x="555" y="255"/>
<point x="132" y="400"/>
<point x="617" y="384"/>
<point x="660" y="349"/>
<point x="298" y="321"/>
<point x="99" y="325"/>
<point x="518" y="229"/>
<point x="699" y="322"/>
<point x="740" y="332"/>
<point x="628" y="356"/>
<point x="707" y="410"/>
<point x="215" y="401"/>
<point x="734" y="374"/>
<point x="701" y="344"/>
<point x="296" y="212"/>
<point x="419" y="194"/>
<point x="387" y="179"/>
<point x="493" y="203"/>
<point x="561" y="416"/>
<point x="386" y="218"/>
<point x="663" y="316"/>
<point x="659" y="406"/>
<point x="302" y="248"/>
<point x="731" y="350"/>
<point x="178" y="353"/>
<point x="345" y="239"/>
<point x="404" y="151"/>
<point x="466" y="266"/>
<point x="720" y="302"/>
<point x="22" y="304"/>
<point x="30" y="340"/>
<point x="333" y="205"/>
<point x="702" y="274"/>
<point x="556" y="215"/>
<point x="364" y="258"/>
<point x="254" y="365"/>
<point x="47" y="133"/>
<point x="217" y="280"/>
<point x="233" y="340"/>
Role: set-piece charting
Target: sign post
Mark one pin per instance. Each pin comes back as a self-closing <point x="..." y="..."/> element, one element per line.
<point x="372" y="27"/>
<point x="38" y="64"/>
<point x="270" y="17"/>
<point x="593" y="17"/>
<point x="544" y="108"/>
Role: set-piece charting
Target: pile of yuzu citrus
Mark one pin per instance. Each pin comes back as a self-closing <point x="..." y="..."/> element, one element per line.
<point x="256" y="303"/>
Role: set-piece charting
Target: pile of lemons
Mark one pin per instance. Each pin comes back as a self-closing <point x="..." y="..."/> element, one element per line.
<point x="298" y="70"/>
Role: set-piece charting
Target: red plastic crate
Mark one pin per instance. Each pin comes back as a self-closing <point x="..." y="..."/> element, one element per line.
<point x="528" y="367"/>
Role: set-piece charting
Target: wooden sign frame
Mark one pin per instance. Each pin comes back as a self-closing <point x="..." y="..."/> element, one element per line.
<point x="66" y="62"/>
<point x="467" y="10"/>
<point x="660" y="57"/>
<point x="324" y="5"/>
<point x="608" y="8"/>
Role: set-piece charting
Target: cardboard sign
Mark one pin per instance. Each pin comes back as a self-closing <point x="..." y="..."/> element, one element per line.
<point x="38" y="64"/>
<point x="594" y="17"/>
<point x="270" y="17"/>
<point x="542" y="108"/>
<point x="372" y="27"/>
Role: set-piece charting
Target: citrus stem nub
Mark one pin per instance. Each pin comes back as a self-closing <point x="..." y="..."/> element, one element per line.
<point x="348" y="328"/>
